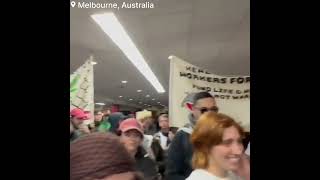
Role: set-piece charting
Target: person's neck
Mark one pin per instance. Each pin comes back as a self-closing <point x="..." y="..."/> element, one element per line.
<point x="133" y="153"/>
<point x="164" y="132"/>
<point x="217" y="171"/>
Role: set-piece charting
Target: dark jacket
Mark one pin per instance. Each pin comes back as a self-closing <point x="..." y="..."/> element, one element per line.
<point x="160" y="156"/>
<point x="179" y="165"/>
<point x="75" y="135"/>
<point x="114" y="120"/>
<point x="146" y="165"/>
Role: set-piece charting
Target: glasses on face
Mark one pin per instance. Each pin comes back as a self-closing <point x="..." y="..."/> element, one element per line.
<point x="204" y="109"/>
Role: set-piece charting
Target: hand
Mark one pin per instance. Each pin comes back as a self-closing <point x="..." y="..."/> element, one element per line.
<point x="84" y="129"/>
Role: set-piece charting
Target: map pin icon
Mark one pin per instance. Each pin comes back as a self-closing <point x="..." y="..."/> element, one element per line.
<point x="73" y="3"/>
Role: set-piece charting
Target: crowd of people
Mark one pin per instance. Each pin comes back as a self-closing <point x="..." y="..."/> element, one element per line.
<point x="140" y="147"/>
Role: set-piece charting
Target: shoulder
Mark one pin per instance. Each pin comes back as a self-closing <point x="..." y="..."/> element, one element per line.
<point x="200" y="174"/>
<point x="233" y="176"/>
<point x="186" y="129"/>
<point x="181" y="134"/>
<point x="180" y="139"/>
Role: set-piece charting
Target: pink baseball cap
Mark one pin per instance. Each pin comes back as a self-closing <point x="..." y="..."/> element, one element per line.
<point x="80" y="114"/>
<point x="130" y="124"/>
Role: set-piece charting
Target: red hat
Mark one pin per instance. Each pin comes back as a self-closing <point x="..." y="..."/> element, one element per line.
<point x="80" y="114"/>
<point x="129" y="124"/>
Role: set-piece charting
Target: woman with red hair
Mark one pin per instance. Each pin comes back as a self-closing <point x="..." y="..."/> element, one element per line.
<point x="218" y="148"/>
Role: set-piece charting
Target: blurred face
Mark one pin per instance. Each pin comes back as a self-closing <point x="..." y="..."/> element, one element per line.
<point x="131" y="140"/>
<point x="76" y="122"/>
<point x="98" y="117"/>
<point x="226" y="156"/>
<point x="164" y="124"/>
<point x="204" y="105"/>
<point x="147" y="123"/>
<point x="106" y="112"/>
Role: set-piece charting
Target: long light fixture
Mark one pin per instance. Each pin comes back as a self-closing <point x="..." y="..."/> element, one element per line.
<point x="112" y="27"/>
<point x="101" y="104"/>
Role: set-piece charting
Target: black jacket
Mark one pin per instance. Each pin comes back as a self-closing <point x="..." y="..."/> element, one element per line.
<point x="146" y="165"/>
<point x="179" y="157"/>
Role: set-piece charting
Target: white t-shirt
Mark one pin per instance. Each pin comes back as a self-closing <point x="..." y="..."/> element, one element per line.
<point x="248" y="150"/>
<point x="146" y="144"/>
<point x="201" y="174"/>
<point x="163" y="141"/>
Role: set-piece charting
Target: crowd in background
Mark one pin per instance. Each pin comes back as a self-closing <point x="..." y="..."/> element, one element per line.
<point x="140" y="146"/>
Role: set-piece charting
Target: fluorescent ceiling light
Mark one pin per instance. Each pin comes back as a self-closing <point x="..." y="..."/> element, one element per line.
<point x="139" y="90"/>
<point x="124" y="82"/>
<point x="112" y="27"/>
<point x="101" y="104"/>
<point x="147" y="95"/>
<point x="120" y="96"/>
<point x="130" y="99"/>
<point x="153" y="99"/>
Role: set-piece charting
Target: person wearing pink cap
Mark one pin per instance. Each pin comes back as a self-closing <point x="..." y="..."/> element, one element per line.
<point x="77" y="128"/>
<point x="131" y="136"/>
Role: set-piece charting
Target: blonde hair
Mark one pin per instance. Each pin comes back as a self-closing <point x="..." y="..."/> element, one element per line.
<point x="144" y="115"/>
<point x="208" y="132"/>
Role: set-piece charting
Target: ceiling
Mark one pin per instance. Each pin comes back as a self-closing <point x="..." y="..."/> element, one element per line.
<point x="212" y="34"/>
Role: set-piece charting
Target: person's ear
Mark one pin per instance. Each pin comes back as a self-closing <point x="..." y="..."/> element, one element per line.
<point x="189" y="106"/>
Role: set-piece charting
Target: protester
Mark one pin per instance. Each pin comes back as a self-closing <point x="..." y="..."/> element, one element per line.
<point x="77" y="127"/>
<point x="106" y="112"/>
<point x="98" y="117"/>
<point x="218" y="148"/>
<point x="180" y="150"/>
<point x="102" y="122"/>
<point x="150" y="144"/>
<point x="131" y="135"/>
<point x="164" y="139"/>
<point x="101" y="156"/>
<point x="114" y="120"/>
<point x="162" y="135"/>
<point x="148" y="123"/>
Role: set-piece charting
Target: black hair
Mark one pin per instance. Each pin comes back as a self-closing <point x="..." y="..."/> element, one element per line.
<point x="163" y="115"/>
<point x="201" y="95"/>
<point x="96" y="112"/>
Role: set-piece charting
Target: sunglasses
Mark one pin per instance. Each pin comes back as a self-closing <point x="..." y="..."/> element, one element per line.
<point x="203" y="110"/>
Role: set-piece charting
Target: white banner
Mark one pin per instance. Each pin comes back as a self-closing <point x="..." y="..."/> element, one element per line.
<point x="81" y="89"/>
<point x="232" y="93"/>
